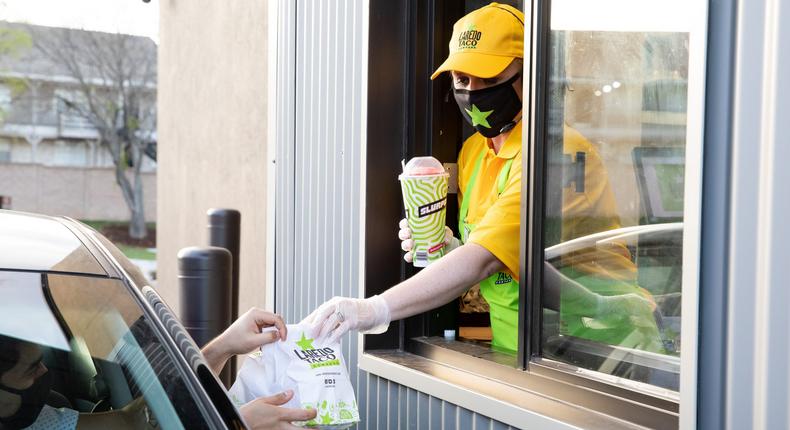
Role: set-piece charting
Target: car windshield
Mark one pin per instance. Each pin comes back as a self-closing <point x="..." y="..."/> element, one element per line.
<point x="80" y="348"/>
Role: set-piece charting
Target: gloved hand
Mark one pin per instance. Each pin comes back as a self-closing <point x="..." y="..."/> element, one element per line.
<point x="635" y="307"/>
<point x="407" y="243"/>
<point x="341" y="314"/>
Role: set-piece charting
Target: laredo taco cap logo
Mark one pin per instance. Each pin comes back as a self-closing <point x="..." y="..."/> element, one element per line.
<point x="468" y="39"/>
<point x="315" y="357"/>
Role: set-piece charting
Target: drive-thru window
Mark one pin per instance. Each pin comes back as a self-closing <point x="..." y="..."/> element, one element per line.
<point x="611" y="191"/>
<point x="653" y="172"/>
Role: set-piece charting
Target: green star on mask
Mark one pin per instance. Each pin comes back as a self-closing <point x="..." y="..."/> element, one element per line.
<point x="479" y="117"/>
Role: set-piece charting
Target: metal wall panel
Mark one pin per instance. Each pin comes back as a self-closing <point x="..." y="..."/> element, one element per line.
<point x="321" y="60"/>
<point x="757" y="380"/>
<point x="285" y="121"/>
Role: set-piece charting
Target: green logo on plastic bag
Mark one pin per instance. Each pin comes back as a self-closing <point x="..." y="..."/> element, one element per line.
<point x="315" y="357"/>
<point x="305" y="343"/>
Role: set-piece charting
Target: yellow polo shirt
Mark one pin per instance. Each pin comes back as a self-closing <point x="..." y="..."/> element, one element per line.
<point x="497" y="218"/>
<point x="592" y="211"/>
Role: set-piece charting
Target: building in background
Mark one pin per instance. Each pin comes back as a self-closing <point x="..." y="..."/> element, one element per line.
<point x="51" y="160"/>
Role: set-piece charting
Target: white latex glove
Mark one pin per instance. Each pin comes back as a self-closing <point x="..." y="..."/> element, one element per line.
<point x="633" y="306"/>
<point x="341" y="314"/>
<point x="407" y="243"/>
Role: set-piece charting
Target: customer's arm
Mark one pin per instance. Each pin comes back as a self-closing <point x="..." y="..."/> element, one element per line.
<point x="243" y="336"/>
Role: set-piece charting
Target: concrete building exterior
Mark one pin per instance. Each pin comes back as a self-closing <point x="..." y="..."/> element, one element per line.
<point x="213" y="128"/>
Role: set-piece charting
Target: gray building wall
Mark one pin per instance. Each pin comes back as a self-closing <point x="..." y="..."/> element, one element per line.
<point x="321" y="100"/>
<point x="756" y="376"/>
<point x="212" y="130"/>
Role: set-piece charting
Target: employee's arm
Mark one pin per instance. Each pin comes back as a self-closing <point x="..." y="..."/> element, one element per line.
<point x="439" y="283"/>
<point x="442" y="281"/>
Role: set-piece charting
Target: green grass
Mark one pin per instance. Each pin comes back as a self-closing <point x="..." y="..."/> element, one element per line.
<point x="131" y="251"/>
<point x="98" y="224"/>
<point x="137" y="252"/>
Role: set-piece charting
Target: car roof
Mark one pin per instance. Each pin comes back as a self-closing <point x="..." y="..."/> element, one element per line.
<point x="45" y="244"/>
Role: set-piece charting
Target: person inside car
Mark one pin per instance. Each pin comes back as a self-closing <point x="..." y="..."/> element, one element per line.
<point x="26" y="396"/>
<point x="28" y="401"/>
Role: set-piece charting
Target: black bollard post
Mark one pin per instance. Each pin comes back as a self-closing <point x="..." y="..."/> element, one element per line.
<point x="204" y="278"/>
<point x="224" y="231"/>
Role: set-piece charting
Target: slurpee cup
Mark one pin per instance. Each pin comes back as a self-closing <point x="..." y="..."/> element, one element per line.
<point x="424" y="186"/>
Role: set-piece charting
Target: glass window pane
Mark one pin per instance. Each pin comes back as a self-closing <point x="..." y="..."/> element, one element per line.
<point x="91" y="353"/>
<point x="111" y="333"/>
<point x="615" y="174"/>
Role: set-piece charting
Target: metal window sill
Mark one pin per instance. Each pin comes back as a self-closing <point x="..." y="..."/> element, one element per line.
<point x="493" y="398"/>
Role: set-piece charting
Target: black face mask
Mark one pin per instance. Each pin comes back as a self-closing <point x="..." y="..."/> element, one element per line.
<point x="491" y="111"/>
<point x="33" y="399"/>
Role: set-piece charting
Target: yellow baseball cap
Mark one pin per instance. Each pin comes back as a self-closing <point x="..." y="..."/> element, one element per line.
<point x="485" y="41"/>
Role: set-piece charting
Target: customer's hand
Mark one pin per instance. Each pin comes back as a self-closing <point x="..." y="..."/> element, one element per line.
<point x="267" y="413"/>
<point x="407" y="243"/>
<point x="243" y="336"/>
<point x="340" y="314"/>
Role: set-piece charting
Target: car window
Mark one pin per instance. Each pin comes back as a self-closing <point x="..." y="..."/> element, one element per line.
<point x="25" y="236"/>
<point x="134" y="272"/>
<point x="102" y="359"/>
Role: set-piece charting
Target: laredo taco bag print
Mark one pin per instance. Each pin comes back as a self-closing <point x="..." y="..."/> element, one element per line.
<point x="316" y="373"/>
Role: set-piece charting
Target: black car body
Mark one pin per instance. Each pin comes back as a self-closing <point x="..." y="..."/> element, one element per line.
<point x="107" y="338"/>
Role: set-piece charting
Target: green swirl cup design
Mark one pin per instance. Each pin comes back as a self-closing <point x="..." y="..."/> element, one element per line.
<point x="425" y="201"/>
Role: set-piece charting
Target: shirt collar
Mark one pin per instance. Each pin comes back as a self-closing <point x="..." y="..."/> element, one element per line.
<point x="512" y="145"/>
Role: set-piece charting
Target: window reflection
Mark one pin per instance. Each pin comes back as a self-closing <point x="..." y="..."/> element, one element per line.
<point x="614" y="202"/>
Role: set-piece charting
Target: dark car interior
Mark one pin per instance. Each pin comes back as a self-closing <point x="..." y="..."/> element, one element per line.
<point x="116" y="365"/>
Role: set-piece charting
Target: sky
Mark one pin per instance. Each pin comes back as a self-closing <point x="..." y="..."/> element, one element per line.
<point x="112" y="16"/>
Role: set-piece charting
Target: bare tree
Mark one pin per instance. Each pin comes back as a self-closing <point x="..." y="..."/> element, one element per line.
<point x="114" y="77"/>
<point x="13" y="42"/>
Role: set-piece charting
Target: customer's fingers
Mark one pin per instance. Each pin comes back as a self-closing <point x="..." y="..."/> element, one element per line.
<point x="267" y="319"/>
<point x="407" y="244"/>
<point x="277" y="399"/>
<point x="291" y="414"/>
<point x="267" y="337"/>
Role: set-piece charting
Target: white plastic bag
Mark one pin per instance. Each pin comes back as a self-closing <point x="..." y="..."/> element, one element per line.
<point x="316" y="373"/>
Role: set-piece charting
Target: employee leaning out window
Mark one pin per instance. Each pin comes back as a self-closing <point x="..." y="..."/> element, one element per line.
<point x="486" y="63"/>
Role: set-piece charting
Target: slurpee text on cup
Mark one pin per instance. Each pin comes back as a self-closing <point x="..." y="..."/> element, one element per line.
<point x="424" y="186"/>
